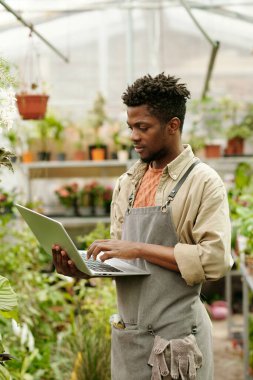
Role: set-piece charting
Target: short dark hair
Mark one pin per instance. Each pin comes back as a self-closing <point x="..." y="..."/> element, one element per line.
<point x="163" y="95"/>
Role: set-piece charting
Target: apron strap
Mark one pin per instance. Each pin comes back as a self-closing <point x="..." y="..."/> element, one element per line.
<point x="173" y="192"/>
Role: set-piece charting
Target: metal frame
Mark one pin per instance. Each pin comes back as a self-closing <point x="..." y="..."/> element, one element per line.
<point x="220" y="7"/>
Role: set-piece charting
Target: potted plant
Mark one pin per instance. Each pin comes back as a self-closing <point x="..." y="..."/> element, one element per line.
<point x="238" y="132"/>
<point x="6" y="202"/>
<point x="32" y="97"/>
<point x="13" y="138"/>
<point x="121" y="141"/>
<point x="241" y="210"/>
<point x="58" y="128"/>
<point x="94" y="191"/>
<point x="69" y="196"/>
<point x="32" y="106"/>
<point x="96" y="119"/>
<point x="207" y="124"/>
<point x="46" y="129"/>
<point x="79" y="153"/>
<point x="107" y="198"/>
<point x="27" y="141"/>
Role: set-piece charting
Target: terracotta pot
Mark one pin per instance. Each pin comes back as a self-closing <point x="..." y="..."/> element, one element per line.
<point x="27" y="157"/>
<point x="32" y="106"/>
<point x="79" y="155"/>
<point x="212" y="151"/>
<point x="97" y="153"/>
<point x="235" y="147"/>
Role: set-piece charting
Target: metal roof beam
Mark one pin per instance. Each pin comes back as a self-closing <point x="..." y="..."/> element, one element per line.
<point x="227" y="13"/>
<point x="31" y="27"/>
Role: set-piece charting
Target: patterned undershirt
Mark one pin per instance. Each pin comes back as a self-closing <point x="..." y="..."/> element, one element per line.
<point x="145" y="196"/>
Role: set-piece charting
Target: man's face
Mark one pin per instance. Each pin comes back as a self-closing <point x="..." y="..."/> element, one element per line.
<point x="151" y="140"/>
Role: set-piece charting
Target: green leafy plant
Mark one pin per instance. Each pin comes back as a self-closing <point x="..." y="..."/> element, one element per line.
<point x="101" y="231"/>
<point x="5" y="158"/>
<point x="96" y="118"/>
<point x="241" y="205"/>
<point x="68" y="194"/>
<point x="62" y="321"/>
<point x="58" y="130"/>
<point x="120" y="136"/>
<point x="7" y="200"/>
<point x="207" y="119"/>
<point x="242" y="128"/>
<point x="8" y="299"/>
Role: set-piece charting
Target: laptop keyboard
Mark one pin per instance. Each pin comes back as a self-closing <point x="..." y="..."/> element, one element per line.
<point x="98" y="266"/>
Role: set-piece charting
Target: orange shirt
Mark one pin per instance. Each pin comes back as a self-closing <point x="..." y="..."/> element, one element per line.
<point x="145" y="196"/>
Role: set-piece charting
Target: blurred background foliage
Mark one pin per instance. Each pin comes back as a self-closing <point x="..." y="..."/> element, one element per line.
<point x="64" y="330"/>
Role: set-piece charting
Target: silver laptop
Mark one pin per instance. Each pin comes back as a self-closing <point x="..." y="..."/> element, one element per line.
<point x="49" y="231"/>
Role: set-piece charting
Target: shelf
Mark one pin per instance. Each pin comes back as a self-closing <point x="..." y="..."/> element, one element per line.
<point x="112" y="168"/>
<point x="67" y="169"/>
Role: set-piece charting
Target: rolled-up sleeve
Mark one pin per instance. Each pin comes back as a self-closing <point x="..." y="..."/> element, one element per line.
<point x="208" y="256"/>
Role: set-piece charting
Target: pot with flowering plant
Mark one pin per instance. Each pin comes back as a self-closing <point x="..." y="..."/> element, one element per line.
<point x="107" y="198"/>
<point x="6" y="202"/>
<point x="69" y="197"/>
<point x="92" y="195"/>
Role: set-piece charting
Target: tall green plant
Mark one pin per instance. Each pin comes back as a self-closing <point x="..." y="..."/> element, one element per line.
<point x="8" y="299"/>
<point x="240" y="198"/>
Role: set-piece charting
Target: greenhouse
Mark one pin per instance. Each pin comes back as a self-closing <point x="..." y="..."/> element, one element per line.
<point x="126" y="190"/>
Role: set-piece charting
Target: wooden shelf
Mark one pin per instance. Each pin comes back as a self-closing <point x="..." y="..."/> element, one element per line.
<point x="67" y="169"/>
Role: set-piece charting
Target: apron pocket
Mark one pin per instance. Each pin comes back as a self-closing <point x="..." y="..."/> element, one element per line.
<point x="130" y="350"/>
<point x="175" y="358"/>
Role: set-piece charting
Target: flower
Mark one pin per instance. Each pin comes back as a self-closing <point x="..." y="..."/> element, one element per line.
<point x="7" y="107"/>
<point x="94" y="189"/>
<point x="6" y="202"/>
<point x="107" y="196"/>
<point x="7" y="96"/>
<point x="68" y="194"/>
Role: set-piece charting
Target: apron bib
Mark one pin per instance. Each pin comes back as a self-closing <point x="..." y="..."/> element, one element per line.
<point x="160" y="304"/>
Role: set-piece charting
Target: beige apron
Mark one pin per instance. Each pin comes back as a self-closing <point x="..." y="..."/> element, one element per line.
<point x="160" y="304"/>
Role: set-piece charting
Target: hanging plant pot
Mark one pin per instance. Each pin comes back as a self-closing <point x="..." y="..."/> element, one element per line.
<point x="31" y="106"/>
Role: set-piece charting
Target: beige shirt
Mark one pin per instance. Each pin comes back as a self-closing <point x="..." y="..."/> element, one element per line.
<point x="200" y="212"/>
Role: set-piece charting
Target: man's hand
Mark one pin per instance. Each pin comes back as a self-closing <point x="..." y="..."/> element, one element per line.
<point x="64" y="265"/>
<point x="112" y="248"/>
<point x="129" y="250"/>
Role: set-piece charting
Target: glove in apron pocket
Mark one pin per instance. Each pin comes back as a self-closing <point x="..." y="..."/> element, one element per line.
<point x="175" y="358"/>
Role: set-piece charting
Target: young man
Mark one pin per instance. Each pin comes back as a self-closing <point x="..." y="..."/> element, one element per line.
<point x="170" y="216"/>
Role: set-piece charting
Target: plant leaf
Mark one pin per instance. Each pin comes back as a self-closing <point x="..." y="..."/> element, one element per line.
<point x="8" y="298"/>
<point x="4" y="373"/>
<point x="5" y="158"/>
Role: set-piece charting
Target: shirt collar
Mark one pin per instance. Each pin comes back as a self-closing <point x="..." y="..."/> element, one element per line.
<point x="173" y="169"/>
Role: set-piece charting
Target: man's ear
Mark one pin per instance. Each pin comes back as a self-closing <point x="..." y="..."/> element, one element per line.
<point x="174" y="125"/>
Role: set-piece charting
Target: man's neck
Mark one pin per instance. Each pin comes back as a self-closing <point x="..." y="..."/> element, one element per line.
<point x="160" y="164"/>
